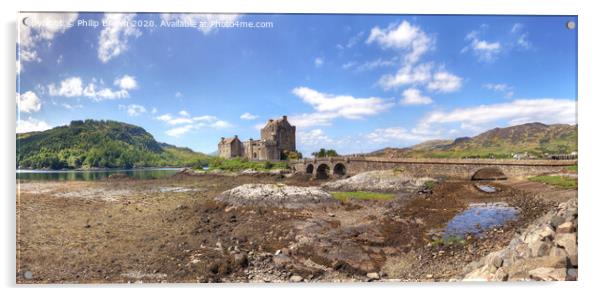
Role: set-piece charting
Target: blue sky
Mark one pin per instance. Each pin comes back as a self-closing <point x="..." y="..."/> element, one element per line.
<point x="355" y="83"/>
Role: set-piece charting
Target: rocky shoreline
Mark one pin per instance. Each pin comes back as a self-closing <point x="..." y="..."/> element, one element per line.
<point x="545" y="251"/>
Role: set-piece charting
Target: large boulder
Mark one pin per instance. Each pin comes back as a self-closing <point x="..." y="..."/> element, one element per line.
<point x="387" y="181"/>
<point x="277" y="195"/>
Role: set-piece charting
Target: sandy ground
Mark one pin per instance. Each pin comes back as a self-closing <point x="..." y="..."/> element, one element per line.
<point x="172" y="230"/>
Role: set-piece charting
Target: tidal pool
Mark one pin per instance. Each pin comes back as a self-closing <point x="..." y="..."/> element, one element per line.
<point x="479" y="217"/>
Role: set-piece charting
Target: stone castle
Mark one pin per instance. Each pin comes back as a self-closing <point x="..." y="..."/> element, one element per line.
<point x="277" y="136"/>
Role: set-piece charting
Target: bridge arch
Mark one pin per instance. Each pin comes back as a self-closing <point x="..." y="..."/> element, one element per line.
<point x="309" y="169"/>
<point x="339" y="170"/>
<point x="322" y="172"/>
<point x="488" y="174"/>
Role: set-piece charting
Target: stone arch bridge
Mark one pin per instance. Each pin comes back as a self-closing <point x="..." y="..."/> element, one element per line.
<point x="475" y="169"/>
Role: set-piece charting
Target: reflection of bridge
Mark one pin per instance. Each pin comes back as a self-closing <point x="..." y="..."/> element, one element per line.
<point x="323" y="168"/>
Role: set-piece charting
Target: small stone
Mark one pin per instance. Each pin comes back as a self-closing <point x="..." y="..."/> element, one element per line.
<point x="548" y="274"/>
<point x="571" y="274"/>
<point x="573" y="260"/>
<point x="556" y="220"/>
<point x="568" y="241"/>
<point x="373" y="276"/>
<point x="500" y="275"/>
<point x="331" y="214"/>
<point x="296" y="278"/>
<point x="540" y="248"/>
<point x="498" y="261"/>
<point x="429" y="276"/>
<point x="278" y="252"/>
<point x="566" y="227"/>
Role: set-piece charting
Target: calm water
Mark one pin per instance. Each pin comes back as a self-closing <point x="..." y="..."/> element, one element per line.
<point x="480" y="217"/>
<point x="146" y="173"/>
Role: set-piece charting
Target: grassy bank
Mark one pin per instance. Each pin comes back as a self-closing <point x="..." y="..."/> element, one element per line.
<point x="560" y="181"/>
<point x="362" y="195"/>
<point x="240" y="164"/>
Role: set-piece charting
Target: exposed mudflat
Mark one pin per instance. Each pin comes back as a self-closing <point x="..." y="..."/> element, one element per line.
<point x="176" y="230"/>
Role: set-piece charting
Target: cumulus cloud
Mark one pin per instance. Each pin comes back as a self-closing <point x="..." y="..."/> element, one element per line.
<point x="444" y="82"/>
<point x="318" y="62"/>
<point x="408" y="74"/>
<point x="342" y="105"/>
<point x="205" y="23"/>
<point x="500" y="87"/>
<point x="133" y="109"/>
<point x="484" y="50"/>
<point x="404" y="37"/>
<point x="422" y="74"/>
<point x="394" y="134"/>
<point x="313" y="138"/>
<point x="248" y="116"/>
<point x="31" y="125"/>
<point x="126" y="82"/>
<point x="412" y="96"/>
<point x="28" y="102"/>
<point x="73" y="87"/>
<point x="70" y="87"/>
<point x="113" y="39"/>
<point x="545" y="110"/>
<point x="41" y="27"/>
<point x="185" y="123"/>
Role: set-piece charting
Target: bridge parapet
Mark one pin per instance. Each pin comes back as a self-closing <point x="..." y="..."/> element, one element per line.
<point x="458" y="168"/>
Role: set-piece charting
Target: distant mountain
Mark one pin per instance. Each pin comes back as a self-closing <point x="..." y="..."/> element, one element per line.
<point x="99" y="144"/>
<point x="535" y="139"/>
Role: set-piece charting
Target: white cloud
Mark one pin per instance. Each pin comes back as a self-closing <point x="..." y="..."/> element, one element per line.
<point x="126" y="82"/>
<point x="248" y="116"/>
<point x="412" y="96"/>
<point x="41" y="27"/>
<point x="500" y="87"/>
<point x="72" y="107"/>
<point x="178" y="94"/>
<point x="405" y="37"/>
<point x="28" y="102"/>
<point x="484" y="50"/>
<point x="342" y="105"/>
<point x="318" y="62"/>
<point x="522" y="37"/>
<point x="154" y="110"/>
<point x="113" y="39"/>
<point x="220" y="124"/>
<point x="408" y="74"/>
<point x="70" y="87"/>
<point x="205" y="23"/>
<point x="444" y="82"/>
<point x="515" y="112"/>
<point x="73" y="87"/>
<point x="394" y="134"/>
<point x="134" y="109"/>
<point x="90" y="91"/>
<point x="313" y="138"/>
<point x="311" y="119"/>
<point x="31" y="125"/>
<point x="178" y="131"/>
<point x="185" y="123"/>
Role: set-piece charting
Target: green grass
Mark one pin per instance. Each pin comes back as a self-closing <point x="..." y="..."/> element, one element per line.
<point x="560" y="181"/>
<point x="239" y="164"/>
<point x="429" y="185"/>
<point x="362" y="195"/>
<point x="572" y="168"/>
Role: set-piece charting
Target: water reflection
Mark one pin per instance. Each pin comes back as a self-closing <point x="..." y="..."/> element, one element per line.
<point x="480" y="217"/>
<point x="47" y="175"/>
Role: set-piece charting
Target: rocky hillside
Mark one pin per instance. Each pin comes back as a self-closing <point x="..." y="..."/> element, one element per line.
<point x="534" y="139"/>
<point x="100" y="144"/>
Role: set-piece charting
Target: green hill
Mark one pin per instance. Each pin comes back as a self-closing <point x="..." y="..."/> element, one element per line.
<point x="100" y="144"/>
<point x="535" y="139"/>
